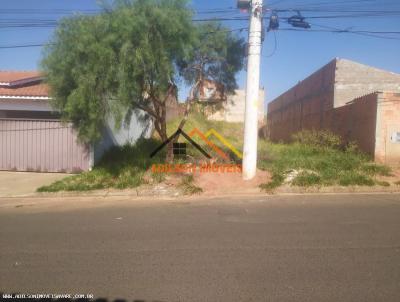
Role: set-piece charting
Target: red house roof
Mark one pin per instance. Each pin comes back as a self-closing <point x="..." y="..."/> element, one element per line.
<point x="22" y="84"/>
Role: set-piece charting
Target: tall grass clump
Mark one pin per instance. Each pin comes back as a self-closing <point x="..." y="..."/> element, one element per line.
<point x="319" y="158"/>
<point x="120" y="168"/>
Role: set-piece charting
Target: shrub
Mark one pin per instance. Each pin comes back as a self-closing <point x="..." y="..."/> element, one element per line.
<point x="277" y="180"/>
<point x="320" y="138"/>
<point x="352" y="147"/>
<point x="188" y="187"/>
<point x="353" y="178"/>
<point x="375" y="169"/>
<point x="319" y="166"/>
<point x="120" y="167"/>
<point x="307" y="179"/>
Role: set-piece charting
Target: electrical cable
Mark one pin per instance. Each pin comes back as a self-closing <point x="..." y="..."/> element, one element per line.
<point x="274" y="49"/>
<point x="352" y="13"/>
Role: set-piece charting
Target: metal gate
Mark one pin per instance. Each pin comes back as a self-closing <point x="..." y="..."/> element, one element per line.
<point x="41" y="146"/>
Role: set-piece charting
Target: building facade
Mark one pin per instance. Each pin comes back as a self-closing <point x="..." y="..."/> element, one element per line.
<point x="234" y="107"/>
<point x="33" y="138"/>
<point x="347" y="98"/>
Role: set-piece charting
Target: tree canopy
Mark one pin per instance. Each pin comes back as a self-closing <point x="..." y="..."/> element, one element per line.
<point x="130" y="57"/>
<point x="217" y="55"/>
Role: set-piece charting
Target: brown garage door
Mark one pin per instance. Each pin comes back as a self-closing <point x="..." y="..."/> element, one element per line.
<point x="42" y="146"/>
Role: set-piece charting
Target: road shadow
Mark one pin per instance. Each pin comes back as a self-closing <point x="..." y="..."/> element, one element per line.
<point x="15" y="297"/>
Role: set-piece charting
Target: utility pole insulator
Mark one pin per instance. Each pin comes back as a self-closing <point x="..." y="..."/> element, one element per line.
<point x="298" y="21"/>
<point x="273" y="22"/>
<point x="252" y="91"/>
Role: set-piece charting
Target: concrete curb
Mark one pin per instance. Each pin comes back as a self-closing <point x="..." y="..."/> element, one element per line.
<point x="334" y="190"/>
<point x="161" y="191"/>
<point x="145" y="191"/>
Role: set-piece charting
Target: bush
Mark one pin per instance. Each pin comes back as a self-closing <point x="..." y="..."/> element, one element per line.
<point x="307" y="179"/>
<point x="277" y="180"/>
<point x="320" y="138"/>
<point x="375" y="169"/>
<point x="383" y="183"/>
<point x="320" y="166"/>
<point x="188" y="187"/>
<point x="353" y="178"/>
<point x="120" y="168"/>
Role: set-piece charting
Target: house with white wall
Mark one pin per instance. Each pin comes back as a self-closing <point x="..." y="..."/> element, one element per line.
<point x="33" y="138"/>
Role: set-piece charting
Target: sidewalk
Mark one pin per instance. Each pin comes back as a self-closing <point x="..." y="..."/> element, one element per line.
<point x="25" y="183"/>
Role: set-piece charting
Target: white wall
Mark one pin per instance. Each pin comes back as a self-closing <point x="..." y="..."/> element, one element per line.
<point x="26" y="105"/>
<point x="125" y="135"/>
<point x="234" y="108"/>
<point x="110" y="136"/>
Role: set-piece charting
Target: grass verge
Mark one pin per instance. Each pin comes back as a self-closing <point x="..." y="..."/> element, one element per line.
<point x="128" y="166"/>
<point x="314" y="159"/>
<point x="231" y="132"/>
<point x="305" y="165"/>
<point x="188" y="187"/>
<point x="120" y="168"/>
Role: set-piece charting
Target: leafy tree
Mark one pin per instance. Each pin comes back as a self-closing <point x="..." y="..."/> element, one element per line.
<point x="122" y="59"/>
<point x="129" y="58"/>
<point x="218" y="56"/>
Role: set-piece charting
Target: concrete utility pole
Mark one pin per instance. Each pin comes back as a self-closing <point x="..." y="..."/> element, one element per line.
<point x="252" y="91"/>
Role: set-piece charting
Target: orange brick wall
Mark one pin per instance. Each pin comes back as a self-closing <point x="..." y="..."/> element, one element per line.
<point x="388" y="123"/>
<point x="355" y="122"/>
<point x="325" y="100"/>
<point x="302" y="106"/>
<point x="370" y="121"/>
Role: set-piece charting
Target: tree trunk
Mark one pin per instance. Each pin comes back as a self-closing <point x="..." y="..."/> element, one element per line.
<point x="189" y="103"/>
<point x="161" y="122"/>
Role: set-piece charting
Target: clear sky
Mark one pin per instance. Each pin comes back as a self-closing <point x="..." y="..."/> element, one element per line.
<point x="294" y="56"/>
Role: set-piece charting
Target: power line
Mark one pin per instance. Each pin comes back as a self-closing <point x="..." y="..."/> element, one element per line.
<point x="346" y="31"/>
<point x="362" y="33"/>
<point x="46" y="44"/>
<point x="349" y="4"/>
<point x="274" y="49"/>
<point x="226" y="31"/>
<point x="48" y="23"/>
<point x="347" y="14"/>
<point x="337" y="10"/>
<point x="17" y="24"/>
<point x="276" y="2"/>
<point x="23" y="46"/>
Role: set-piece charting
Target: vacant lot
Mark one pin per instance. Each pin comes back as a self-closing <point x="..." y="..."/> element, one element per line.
<point x="312" y="159"/>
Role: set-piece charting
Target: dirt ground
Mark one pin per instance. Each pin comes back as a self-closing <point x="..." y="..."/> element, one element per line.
<point x="395" y="177"/>
<point x="230" y="183"/>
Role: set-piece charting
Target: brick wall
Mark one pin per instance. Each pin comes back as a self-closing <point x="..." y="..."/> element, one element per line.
<point x="329" y="99"/>
<point x="372" y="121"/>
<point x="301" y="107"/>
<point x="353" y="79"/>
<point x="333" y="86"/>
<point x="355" y="122"/>
<point x="388" y="125"/>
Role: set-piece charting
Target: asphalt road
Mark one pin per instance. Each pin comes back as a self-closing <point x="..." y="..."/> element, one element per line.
<point x="274" y="248"/>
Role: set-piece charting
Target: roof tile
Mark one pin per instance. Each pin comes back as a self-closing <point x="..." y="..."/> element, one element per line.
<point x="30" y="89"/>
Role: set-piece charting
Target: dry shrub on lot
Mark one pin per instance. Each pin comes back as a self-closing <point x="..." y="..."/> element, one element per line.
<point x="320" y="138"/>
<point x="319" y="159"/>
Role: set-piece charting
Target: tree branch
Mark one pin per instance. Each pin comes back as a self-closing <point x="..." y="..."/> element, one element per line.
<point x="146" y="109"/>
